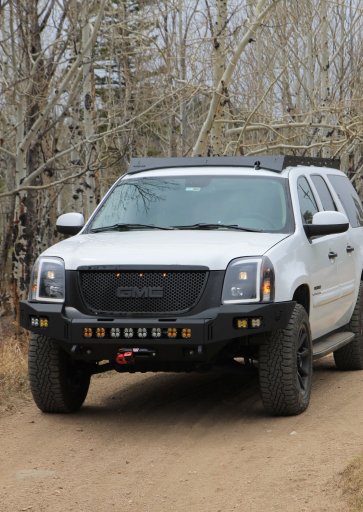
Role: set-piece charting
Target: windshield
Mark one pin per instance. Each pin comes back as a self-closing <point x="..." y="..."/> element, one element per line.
<point x="254" y="203"/>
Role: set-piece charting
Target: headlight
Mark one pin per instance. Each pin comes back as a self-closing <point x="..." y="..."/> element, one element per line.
<point x="248" y="280"/>
<point x="47" y="280"/>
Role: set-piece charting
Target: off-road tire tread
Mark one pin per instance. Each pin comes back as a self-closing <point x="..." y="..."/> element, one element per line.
<point x="46" y="367"/>
<point x="350" y="357"/>
<point x="278" y="367"/>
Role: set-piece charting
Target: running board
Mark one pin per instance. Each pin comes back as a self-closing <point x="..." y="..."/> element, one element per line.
<point x="330" y="343"/>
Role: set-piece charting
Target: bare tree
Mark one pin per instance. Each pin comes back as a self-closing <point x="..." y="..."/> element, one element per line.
<point x="86" y="85"/>
<point x="263" y="8"/>
<point x="42" y="83"/>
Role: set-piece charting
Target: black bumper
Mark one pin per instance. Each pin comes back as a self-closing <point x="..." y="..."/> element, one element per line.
<point x="194" y="338"/>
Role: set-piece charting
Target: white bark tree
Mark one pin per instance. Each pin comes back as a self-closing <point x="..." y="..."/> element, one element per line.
<point x="86" y="85"/>
<point x="263" y="8"/>
<point x="40" y="90"/>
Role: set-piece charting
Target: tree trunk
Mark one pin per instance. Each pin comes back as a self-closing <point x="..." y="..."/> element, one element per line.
<point x="88" y="97"/>
<point x="219" y="62"/>
<point x="324" y="71"/>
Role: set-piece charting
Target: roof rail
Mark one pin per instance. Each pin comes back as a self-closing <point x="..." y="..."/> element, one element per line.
<point x="269" y="163"/>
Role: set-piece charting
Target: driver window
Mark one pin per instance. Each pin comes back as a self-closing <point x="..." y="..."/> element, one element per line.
<point x="308" y="206"/>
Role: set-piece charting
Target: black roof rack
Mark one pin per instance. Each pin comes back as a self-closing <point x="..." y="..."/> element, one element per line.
<point x="268" y="163"/>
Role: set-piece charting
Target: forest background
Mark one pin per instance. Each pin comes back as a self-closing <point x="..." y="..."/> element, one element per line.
<point x="84" y="86"/>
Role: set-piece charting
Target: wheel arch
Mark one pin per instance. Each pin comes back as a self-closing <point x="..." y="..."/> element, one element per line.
<point x="302" y="296"/>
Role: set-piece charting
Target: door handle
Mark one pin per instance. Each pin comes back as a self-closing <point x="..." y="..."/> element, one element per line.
<point x="332" y="255"/>
<point x="350" y="248"/>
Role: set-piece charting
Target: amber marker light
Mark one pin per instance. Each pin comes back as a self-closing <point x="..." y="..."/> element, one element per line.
<point x="267" y="283"/>
<point x="266" y="288"/>
<point x="172" y="332"/>
<point x="100" y="332"/>
<point x="87" y="332"/>
<point x="186" y="333"/>
<point x="241" y="323"/>
<point x="43" y="322"/>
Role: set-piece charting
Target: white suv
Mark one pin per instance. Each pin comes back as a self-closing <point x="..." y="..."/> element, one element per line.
<point x="192" y="262"/>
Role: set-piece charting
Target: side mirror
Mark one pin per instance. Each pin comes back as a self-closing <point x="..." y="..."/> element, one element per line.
<point x="327" y="223"/>
<point x="70" y="223"/>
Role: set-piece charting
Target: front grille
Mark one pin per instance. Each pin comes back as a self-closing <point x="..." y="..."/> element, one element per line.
<point x="122" y="292"/>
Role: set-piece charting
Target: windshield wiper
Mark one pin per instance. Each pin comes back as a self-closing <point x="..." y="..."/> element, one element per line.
<point x="211" y="226"/>
<point x="127" y="227"/>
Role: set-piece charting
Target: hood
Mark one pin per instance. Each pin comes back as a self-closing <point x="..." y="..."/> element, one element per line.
<point x="212" y="249"/>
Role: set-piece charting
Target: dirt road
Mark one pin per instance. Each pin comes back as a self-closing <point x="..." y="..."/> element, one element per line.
<point x="172" y="443"/>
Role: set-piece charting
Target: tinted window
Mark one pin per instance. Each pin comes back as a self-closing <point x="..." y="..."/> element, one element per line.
<point x="307" y="202"/>
<point x="349" y="198"/>
<point x="253" y="202"/>
<point x="324" y="193"/>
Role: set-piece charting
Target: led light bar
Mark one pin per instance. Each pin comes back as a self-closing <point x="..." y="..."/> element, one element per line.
<point x="114" y="333"/>
<point x="42" y="321"/>
<point x="248" y="323"/>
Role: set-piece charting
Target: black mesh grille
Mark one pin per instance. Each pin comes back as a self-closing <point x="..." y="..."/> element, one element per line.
<point x="122" y="292"/>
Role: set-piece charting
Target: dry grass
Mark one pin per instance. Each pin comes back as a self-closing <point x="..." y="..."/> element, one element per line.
<point x="13" y="368"/>
<point x="352" y="484"/>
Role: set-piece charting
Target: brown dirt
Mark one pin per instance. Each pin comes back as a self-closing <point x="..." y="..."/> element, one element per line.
<point x="352" y="483"/>
<point x="188" y="442"/>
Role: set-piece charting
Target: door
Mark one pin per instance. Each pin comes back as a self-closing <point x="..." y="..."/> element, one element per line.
<point x="350" y="267"/>
<point x="322" y="264"/>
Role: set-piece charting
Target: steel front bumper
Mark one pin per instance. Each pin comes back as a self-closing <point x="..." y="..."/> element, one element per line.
<point x="197" y="338"/>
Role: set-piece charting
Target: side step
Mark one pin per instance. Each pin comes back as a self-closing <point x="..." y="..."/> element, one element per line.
<point x="330" y="343"/>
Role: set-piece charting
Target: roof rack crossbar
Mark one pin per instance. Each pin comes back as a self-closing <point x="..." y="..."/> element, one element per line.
<point x="268" y="163"/>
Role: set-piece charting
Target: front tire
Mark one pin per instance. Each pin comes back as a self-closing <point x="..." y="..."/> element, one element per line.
<point x="285" y="367"/>
<point x="58" y="384"/>
<point x="350" y="357"/>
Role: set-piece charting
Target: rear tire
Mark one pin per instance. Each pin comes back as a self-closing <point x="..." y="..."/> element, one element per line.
<point x="285" y="367"/>
<point x="350" y="357"/>
<point x="58" y="384"/>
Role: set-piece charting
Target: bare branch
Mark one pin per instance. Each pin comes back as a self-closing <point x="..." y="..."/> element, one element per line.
<point x="44" y="187"/>
<point x="261" y="13"/>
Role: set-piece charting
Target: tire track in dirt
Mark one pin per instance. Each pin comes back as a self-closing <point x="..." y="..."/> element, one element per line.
<point x="198" y="442"/>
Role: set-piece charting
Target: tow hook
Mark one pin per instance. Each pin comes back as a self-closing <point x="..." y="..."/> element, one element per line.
<point x="125" y="357"/>
<point x="129" y="355"/>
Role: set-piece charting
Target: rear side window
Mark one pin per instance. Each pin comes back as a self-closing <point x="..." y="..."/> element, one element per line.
<point x="324" y="193"/>
<point x="349" y="198"/>
<point x="307" y="201"/>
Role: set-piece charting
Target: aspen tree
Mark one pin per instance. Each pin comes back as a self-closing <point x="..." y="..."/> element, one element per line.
<point x="262" y="10"/>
